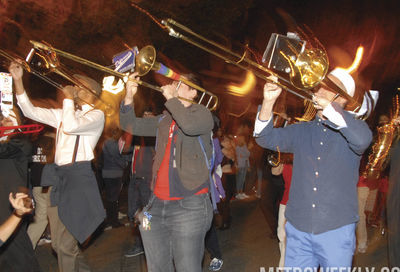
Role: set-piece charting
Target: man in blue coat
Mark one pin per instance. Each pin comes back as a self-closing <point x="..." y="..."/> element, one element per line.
<point x="322" y="209"/>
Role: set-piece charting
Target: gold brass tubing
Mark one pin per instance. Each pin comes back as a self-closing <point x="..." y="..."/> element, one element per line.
<point x="117" y="74"/>
<point x="174" y="33"/>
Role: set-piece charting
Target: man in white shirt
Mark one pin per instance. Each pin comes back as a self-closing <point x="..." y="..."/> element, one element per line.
<point x="76" y="207"/>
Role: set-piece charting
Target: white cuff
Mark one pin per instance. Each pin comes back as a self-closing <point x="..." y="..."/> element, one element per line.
<point x="260" y="125"/>
<point x="334" y="116"/>
<point x="68" y="103"/>
<point x="21" y="98"/>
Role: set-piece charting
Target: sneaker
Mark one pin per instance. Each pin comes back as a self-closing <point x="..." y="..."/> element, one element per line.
<point x="135" y="251"/>
<point x="121" y="215"/>
<point x="362" y="250"/>
<point x="245" y="196"/>
<point x="239" y="196"/>
<point x="215" y="264"/>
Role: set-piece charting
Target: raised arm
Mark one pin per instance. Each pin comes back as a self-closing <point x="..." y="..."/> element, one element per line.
<point x="265" y="134"/>
<point x="50" y="117"/>
<point x="127" y="117"/>
<point x="193" y="120"/>
<point x="86" y="124"/>
<point x="271" y="94"/>
<point x="356" y="132"/>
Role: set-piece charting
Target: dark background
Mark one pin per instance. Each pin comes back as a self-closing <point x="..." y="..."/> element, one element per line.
<point x="98" y="29"/>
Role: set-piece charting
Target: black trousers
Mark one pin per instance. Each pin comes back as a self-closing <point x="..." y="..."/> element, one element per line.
<point x="271" y="195"/>
<point x="229" y="184"/>
<point x="112" y="187"/>
<point x="212" y="244"/>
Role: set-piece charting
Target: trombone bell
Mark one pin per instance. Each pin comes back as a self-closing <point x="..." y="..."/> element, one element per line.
<point x="307" y="67"/>
<point x="145" y="60"/>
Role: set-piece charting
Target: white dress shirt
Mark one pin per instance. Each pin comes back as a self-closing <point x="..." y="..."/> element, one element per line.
<point x="88" y="123"/>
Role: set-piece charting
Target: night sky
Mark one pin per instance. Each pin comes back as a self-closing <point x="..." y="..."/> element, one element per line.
<point x="97" y="30"/>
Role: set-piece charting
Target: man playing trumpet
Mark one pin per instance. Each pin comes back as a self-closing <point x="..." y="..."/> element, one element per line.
<point x="322" y="209"/>
<point x="76" y="206"/>
<point x="179" y="213"/>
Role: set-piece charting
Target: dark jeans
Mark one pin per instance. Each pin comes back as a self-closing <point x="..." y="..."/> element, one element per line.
<point x="212" y="244"/>
<point x="177" y="233"/>
<point x="271" y="196"/>
<point x="138" y="194"/>
<point x="229" y="183"/>
<point x="112" y="187"/>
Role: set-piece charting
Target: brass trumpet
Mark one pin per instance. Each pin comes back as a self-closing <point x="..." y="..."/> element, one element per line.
<point x="308" y="70"/>
<point x="145" y="61"/>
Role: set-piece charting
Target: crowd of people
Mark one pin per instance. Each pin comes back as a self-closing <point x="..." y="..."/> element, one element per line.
<point x="184" y="170"/>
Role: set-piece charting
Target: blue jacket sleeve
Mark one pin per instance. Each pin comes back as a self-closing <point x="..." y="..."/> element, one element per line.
<point x="357" y="132"/>
<point x="283" y="138"/>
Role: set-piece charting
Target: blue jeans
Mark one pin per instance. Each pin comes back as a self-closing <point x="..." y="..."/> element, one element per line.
<point x="332" y="249"/>
<point x="240" y="178"/>
<point x="177" y="232"/>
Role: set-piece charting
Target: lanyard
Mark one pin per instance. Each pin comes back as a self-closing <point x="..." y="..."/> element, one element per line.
<point x="210" y="166"/>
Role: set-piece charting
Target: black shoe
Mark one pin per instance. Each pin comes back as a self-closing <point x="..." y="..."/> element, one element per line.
<point x="135" y="251"/>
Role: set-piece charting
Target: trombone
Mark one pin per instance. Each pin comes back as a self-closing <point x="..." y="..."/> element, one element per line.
<point x="29" y="69"/>
<point x="51" y="64"/>
<point x="145" y="61"/>
<point x="301" y="82"/>
<point x="48" y="61"/>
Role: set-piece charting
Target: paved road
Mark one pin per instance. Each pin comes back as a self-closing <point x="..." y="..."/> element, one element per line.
<point x="246" y="246"/>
